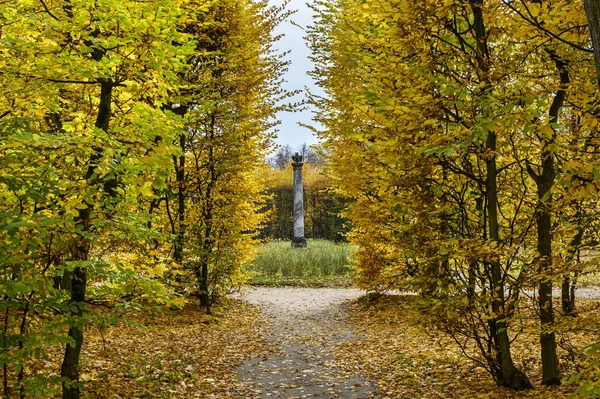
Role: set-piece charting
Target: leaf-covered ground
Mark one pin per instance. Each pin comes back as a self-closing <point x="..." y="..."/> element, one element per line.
<point x="305" y="325"/>
<point x="407" y="360"/>
<point x="183" y="354"/>
<point x="302" y="342"/>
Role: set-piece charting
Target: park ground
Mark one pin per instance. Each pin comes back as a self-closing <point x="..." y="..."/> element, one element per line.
<point x="327" y="341"/>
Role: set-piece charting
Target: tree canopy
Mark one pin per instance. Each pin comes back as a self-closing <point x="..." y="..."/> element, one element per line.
<point x="459" y="155"/>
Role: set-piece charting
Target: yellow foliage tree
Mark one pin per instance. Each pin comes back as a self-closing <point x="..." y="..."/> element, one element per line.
<point x="82" y="140"/>
<point x="232" y="94"/>
<point x="461" y="131"/>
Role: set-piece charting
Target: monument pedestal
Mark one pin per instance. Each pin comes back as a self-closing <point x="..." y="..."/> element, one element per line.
<point x="299" y="242"/>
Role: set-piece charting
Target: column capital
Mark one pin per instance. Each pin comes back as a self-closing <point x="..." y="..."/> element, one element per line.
<point x="298" y="158"/>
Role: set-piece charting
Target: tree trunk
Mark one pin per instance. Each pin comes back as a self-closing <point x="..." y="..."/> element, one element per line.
<point x="508" y="374"/>
<point x="550" y="374"/>
<point x="545" y="181"/>
<point x="204" y="289"/>
<point x="592" y="11"/>
<point x="66" y="281"/>
<point x="568" y="286"/>
<point x="565" y="298"/>
<point x="207" y="246"/>
<point x="180" y="177"/>
<point x="471" y="281"/>
<point x="70" y="365"/>
<point x="544" y="225"/>
<point x="572" y="299"/>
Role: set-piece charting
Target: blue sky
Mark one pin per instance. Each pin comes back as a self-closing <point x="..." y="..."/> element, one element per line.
<point x="296" y="77"/>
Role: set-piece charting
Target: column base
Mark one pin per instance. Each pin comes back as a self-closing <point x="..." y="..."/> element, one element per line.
<point x="299" y="242"/>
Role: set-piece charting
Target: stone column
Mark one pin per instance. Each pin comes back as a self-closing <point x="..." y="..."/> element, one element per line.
<point x="298" y="239"/>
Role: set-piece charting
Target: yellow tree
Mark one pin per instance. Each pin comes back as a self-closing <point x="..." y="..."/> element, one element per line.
<point x="87" y="77"/>
<point x="551" y="120"/>
<point x="442" y="113"/>
<point x="231" y="97"/>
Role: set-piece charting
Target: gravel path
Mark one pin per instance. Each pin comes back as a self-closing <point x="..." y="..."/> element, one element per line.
<point x="587" y="292"/>
<point x="305" y="325"/>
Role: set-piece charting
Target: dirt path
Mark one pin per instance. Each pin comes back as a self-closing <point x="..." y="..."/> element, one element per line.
<point x="305" y="325"/>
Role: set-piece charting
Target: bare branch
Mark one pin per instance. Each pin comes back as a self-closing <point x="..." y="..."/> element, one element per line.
<point x="48" y="10"/>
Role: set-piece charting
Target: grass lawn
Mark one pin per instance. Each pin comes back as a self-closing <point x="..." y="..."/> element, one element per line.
<point x="321" y="263"/>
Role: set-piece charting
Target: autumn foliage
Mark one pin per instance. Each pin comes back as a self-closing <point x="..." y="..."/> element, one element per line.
<point x="130" y="137"/>
<point x="461" y="138"/>
<point x="466" y="135"/>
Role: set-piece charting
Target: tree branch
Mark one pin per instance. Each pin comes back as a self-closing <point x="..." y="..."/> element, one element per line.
<point x="533" y="21"/>
<point x="6" y="113"/>
<point x="80" y="82"/>
<point x="48" y="10"/>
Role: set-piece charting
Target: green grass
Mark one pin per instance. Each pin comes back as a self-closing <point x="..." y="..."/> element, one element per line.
<point x="589" y="279"/>
<point x="322" y="263"/>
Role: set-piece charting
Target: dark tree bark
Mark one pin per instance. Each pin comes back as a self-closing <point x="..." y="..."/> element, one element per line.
<point x="544" y="182"/>
<point x="180" y="178"/>
<point x="70" y="364"/>
<point x="204" y="294"/>
<point x="205" y="234"/>
<point x="592" y="11"/>
<point x="550" y="375"/>
<point x="568" y="284"/>
<point x="508" y="374"/>
<point x="566" y="301"/>
<point x="208" y="240"/>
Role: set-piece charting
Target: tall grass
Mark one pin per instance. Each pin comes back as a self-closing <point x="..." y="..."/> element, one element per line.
<point x="321" y="263"/>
